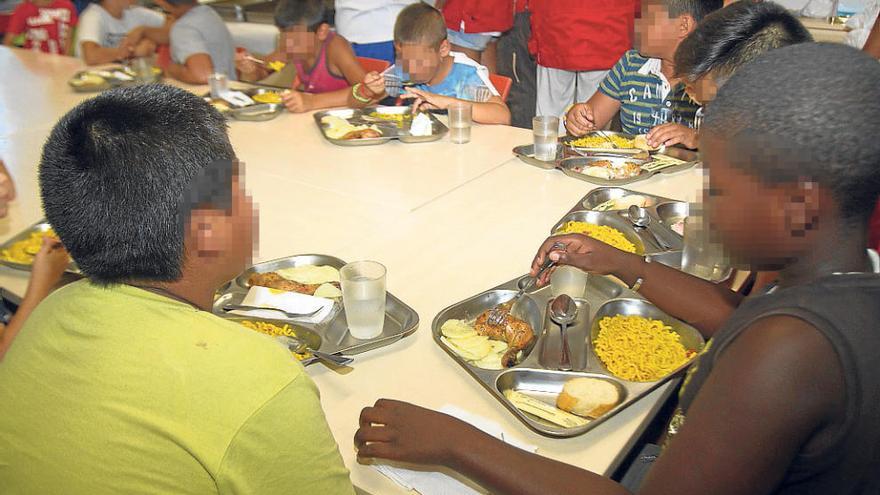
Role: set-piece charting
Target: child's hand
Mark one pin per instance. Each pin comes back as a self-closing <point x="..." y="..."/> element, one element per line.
<point x="403" y="432"/>
<point x="297" y="101"/>
<point x="375" y="82"/>
<point x="581" y="252"/>
<point x="425" y="100"/>
<point x="580" y="120"/>
<point x="670" y="133"/>
<point x="48" y="267"/>
<point x="244" y="64"/>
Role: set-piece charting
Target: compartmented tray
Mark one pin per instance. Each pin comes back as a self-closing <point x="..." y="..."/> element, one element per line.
<point x="400" y="319"/>
<point x="258" y="112"/>
<point x="571" y="162"/>
<point x="101" y="79"/>
<point x="389" y="128"/>
<point x="537" y="374"/>
<point x="41" y="226"/>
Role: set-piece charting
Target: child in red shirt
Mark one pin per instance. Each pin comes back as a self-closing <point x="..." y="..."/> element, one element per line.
<point x="47" y="25"/>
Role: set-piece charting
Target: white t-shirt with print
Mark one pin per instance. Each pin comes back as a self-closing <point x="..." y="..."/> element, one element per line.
<point x="98" y="26"/>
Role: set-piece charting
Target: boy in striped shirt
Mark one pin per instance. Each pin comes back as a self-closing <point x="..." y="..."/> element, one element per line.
<point x="642" y="85"/>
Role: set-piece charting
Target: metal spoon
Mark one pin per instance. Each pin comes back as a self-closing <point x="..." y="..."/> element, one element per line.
<point x="496" y="316"/>
<point x="563" y="312"/>
<point x="640" y="218"/>
<point x="301" y="347"/>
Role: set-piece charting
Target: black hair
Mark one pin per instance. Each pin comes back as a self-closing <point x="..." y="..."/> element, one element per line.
<point x="695" y="8"/>
<point x="182" y="2"/>
<point x="420" y="23"/>
<point x="806" y="112"/>
<point x="735" y="35"/>
<point x="290" y="13"/>
<point x="117" y="177"/>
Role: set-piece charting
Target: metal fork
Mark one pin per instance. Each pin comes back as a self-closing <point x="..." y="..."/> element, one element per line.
<point x="233" y="307"/>
<point x="605" y="136"/>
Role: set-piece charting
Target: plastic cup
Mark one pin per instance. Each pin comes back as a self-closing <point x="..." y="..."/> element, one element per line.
<point x="568" y="280"/>
<point x="545" y="132"/>
<point x="363" y="297"/>
<point x="219" y="84"/>
<point x="460" y="122"/>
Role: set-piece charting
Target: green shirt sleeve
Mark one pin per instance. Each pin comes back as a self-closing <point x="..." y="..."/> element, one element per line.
<point x="611" y="85"/>
<point x="285" y="447"/>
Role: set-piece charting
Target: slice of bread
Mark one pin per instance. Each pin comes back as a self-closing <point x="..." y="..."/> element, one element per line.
<point x="588" y="397"/>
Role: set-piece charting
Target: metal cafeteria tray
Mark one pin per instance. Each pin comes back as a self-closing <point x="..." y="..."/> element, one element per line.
<point x="41" y="226"/>
<point x="108" y="80"/>
<point x="537" y="375"/>
<point x="257" y="112"/>
<point x="400" y="319"/>
<point x="389" y="129"/>
<point x="571" y="167"/>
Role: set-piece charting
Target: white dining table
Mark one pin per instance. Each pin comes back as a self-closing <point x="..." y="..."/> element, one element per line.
<point x="448" y="221"/>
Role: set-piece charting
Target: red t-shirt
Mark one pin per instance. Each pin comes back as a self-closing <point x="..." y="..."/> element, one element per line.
<point x="479" y="16"/>
<point x="45" y="28"/>
<point x="581" y="35"/>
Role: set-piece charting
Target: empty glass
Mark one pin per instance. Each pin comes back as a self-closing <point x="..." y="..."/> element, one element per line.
<point x="363" y="297"/>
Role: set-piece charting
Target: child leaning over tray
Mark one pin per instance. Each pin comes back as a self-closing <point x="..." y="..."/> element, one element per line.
<point x="328" y="73"/>
<point x="642" y="85"/>
<point x="440" y="76"/>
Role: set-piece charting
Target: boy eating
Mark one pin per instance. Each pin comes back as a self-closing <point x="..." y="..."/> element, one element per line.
<point x="125" y="382"/>
<point x="440" y="77"/>
<point x="112" y="30"/>
<point x="642" y="86"/>
<point x="201" y="44"/>
<point x="782" y="399"/>
<point x="328" y="73"/>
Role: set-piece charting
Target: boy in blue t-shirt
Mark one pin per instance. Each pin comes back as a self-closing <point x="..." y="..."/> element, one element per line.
<point x="441" y="77"/>
<point x="642" y="85"/>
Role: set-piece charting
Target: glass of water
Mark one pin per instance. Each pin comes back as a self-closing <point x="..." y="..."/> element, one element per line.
<point x="545" y="130"/>
<point x="568" y="280"/>
<point x="460" y="122"/>
<point x="363" y="297"/>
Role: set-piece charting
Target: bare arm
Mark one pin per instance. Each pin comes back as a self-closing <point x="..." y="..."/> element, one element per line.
<point x="95" y="54"/>
<point x="703" y="304"/>
<point x="494" y="111"/>
<point x="872" y="45"/>
<point x="593" y="114"/>
<point x="196" y="70"/>
<point x="604" y="109"/>
<point x="746" y="404"/>
<point x="8" y="38"/>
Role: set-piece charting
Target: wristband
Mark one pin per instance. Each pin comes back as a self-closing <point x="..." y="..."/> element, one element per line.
<point x="355" y="92"/>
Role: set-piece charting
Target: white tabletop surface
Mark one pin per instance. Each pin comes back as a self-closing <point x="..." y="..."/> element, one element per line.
<point x="449" y="221"/>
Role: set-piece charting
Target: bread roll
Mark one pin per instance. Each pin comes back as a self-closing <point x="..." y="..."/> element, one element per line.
<point x="588" y="397"/>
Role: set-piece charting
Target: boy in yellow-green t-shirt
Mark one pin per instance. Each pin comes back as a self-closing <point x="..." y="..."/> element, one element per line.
<point x="124" y="382"/>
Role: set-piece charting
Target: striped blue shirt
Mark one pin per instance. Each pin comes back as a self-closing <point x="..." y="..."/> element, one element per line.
<point x="646" y="100"/>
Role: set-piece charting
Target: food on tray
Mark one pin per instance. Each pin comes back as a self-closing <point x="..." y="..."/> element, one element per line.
<point x="23" y="251"/>
<point x="339" y="128"/>
<point x="641" y="142"/>
<point x="588" y="397"/>
<point x="275" y="330"/>
<point x="220" y="105"/>
<point x="609" y="170"/>
<point x="622" y="203"/>
<point x="267" y="97"/>
<point x="678" y="227"/>
<point x="87" y="79"/>
<point x="368" y="133"/>
<point x="421" y="125"/>
<point x="517" y="333"/>
<point x="604" y="233"/>
<point x="597" y="141"/>
<point x="393" y="117"/>
<point x="543" y="410"/>
<point x="474" y="348"/>
<point x="639" y="349"/>
<point x="276" y="65"/>
<point x="318" y="281"/>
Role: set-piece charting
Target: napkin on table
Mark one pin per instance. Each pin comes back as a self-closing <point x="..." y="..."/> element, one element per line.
<point x="434" y="483"/>
<point x="292" y="302"/>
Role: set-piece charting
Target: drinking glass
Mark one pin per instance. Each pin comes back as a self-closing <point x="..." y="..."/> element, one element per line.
<point x="460" y="122"/>
<point x="363" y="297"/>
<point x="545" y="131"/>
